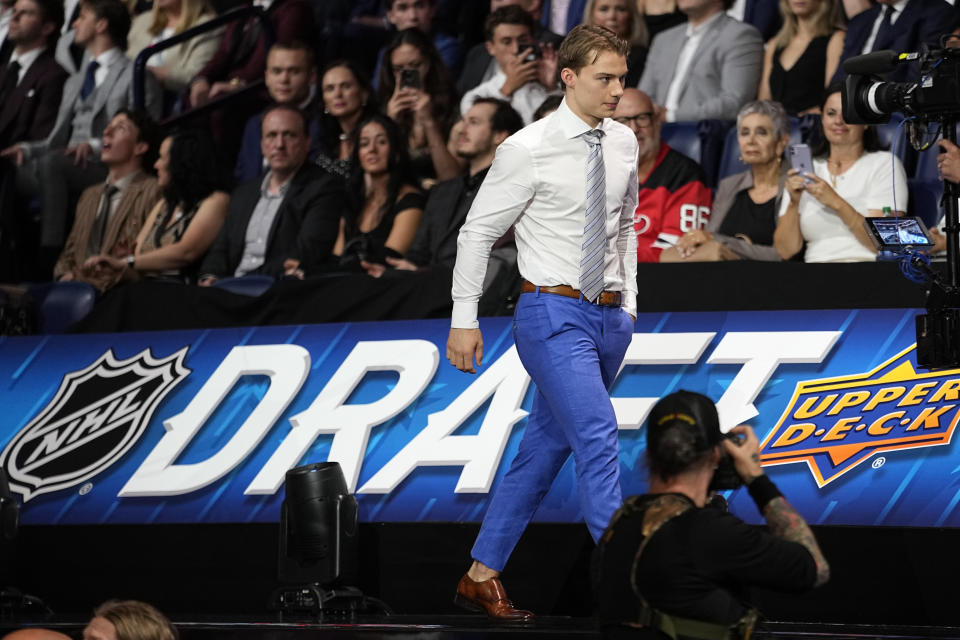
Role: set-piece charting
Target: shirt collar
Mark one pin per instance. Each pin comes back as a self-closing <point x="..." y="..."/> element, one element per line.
<point x="569" y="123"/>
<point x="124" y="182"/>
<point x="265" y="187"/>
<point x="898" y="7"/>
<point x="26" y="59"/>
<point x="108" y="57"/>
<point x="696" y="31"/>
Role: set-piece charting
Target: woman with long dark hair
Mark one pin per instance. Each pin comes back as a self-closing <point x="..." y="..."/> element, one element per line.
<point x="182" y="226"/>
<point x="852" y="179"/>
<point x="384" y="205"/>
<point x="417" y="93"/>
<point x="348" y="98"/>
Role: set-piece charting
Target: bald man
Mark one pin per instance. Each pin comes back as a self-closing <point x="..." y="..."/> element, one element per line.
<point x="674" y="197"/>
<point x="36" y="634"/>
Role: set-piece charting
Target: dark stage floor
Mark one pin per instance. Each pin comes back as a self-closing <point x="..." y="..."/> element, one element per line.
<point x="455" y="627"/>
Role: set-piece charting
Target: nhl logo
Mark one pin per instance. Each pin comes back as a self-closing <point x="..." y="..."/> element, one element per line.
<point x="96" y="416"/>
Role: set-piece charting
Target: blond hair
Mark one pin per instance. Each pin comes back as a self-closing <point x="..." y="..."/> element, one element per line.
<point x="823" y="22"/>
<point x="637" y="28"/>
<point x="136" y="620"/>
<point x="190" y="12"/>
<point x="584" y="44"/>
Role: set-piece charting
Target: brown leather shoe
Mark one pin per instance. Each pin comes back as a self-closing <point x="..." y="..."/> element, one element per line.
<point x="489" y="597"/>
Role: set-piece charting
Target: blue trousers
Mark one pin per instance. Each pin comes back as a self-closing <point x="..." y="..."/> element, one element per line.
<point x="572" y="350"/>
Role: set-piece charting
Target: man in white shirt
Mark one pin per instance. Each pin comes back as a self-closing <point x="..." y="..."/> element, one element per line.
<point x="568" y="185"/>
<point x="526" y="72"/>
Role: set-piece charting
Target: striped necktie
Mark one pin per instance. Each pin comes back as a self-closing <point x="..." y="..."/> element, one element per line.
<point x="594" y="227"/>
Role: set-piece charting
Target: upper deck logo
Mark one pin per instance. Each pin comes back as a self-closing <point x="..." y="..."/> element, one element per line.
<point x="834" y="424"/>
<point x="96" y="416"/>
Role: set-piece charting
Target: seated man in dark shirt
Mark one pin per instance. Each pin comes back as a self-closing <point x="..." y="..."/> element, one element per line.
<point x="285" y="222"/>
<point x="485" y="125"/>
<point x="690" y="563"/>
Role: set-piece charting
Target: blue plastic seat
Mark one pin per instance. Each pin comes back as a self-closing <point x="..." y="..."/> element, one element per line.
<point x="60" y="305"/>
<point x="252" y="286"/>
<point x="684" y="137"/>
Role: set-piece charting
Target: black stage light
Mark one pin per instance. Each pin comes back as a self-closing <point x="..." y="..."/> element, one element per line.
<point x="318" y="544"/>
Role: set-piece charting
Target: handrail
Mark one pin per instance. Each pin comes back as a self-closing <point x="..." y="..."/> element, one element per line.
<point x="240" y="13"/>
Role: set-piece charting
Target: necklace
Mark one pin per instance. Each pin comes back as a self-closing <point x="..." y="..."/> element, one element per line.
<point x="836" y="170"/>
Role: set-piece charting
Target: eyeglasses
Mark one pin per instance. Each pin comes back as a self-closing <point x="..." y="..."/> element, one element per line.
<point x="644" y="119"/>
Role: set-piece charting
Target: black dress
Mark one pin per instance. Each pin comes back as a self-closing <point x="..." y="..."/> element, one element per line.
<point x="663" y="21"/>
<point x="370" y="246"/>
<point x="748" y="219"/>
<point x="635" y="63"/>
<point x="800" y="87"/>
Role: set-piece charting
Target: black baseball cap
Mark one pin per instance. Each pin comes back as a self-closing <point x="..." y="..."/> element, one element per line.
<point x="690" y="410"/>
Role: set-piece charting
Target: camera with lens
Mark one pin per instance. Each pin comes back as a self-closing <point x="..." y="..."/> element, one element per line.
<point x="867" y="100"/>
<point x="935" y="98"/>
<point x="726" y="478"/>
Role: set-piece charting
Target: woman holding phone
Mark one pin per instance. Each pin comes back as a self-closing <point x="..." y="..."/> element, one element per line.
<point x="417" y="93"/>
<point x="852" y="179"/>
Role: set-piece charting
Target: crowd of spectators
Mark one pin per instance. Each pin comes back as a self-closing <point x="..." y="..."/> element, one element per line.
<point x="356" y="140"/>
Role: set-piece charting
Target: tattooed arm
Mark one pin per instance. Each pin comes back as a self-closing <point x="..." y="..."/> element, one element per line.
<point x="786" y="523"/>
<point x="783" y="519"/>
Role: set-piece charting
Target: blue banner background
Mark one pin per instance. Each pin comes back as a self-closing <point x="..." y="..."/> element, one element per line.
<point x="914" y="487"/>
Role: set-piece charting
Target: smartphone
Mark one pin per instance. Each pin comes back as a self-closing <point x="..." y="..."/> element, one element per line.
<point x="535" y="54"/>
<point x="896" y="234"/>
<point x="409" y="78"/>
<point x="801" y="160"/>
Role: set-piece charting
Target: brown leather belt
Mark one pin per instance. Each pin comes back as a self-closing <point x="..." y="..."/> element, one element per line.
<point x="606" y="299"/>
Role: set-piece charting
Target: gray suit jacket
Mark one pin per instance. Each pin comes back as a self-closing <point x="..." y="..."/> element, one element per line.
<point x="723" y="74"/>
<point x="114" y="94"/>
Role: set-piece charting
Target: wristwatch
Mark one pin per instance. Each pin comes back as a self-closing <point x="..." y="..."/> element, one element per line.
<point x="130" y="260"/>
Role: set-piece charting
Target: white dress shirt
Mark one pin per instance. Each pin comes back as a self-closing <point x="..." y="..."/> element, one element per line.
<point x="898" y="8"/>
<point x="538" y="183"/>
<point x="524" y="100"/>
<point x="25" y="60"/>
<point x="6" y="14"/>
<point x="694" y="36"/>
<point x="106" y="59"/>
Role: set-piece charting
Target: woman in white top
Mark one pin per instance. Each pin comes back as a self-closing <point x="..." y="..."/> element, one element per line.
<point x="853" y="179"/>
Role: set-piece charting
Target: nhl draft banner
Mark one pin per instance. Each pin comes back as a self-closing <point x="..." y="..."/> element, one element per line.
<point x="200" y="426"/>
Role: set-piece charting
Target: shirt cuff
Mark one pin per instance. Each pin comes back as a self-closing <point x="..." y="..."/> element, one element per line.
<point x="464" y="315"/>
<point x="629" y="302"/>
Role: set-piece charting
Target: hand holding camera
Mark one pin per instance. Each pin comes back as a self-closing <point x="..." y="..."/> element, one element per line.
<point x="522" y="68"/>
<point x="744" y="450"/>
<point x="406" y="94"/>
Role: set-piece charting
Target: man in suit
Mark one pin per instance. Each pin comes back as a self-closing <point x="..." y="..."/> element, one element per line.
<point x="286" y="222"/>
<point x="560" y="16"/>
<point x="291" y="78"/>
<point x="111" y="214"/>
<point x="899" y="25"/>
<point x="762" y="14"/>
<point x="31" y="83"/>
<point x="68" y="161"/>
<point x="480" y="65"/>
<point x="488" y="123"/>
<point x="706" y="68"/>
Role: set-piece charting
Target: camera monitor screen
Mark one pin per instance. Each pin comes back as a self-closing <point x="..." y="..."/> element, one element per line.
<point x="893" y="234"/>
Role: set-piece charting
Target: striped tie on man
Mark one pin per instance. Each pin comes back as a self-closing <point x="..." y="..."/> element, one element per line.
<point x="594" y="227"/>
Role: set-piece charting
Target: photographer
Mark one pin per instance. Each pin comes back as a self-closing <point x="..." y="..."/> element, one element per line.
<point x="526" y="71"/>
<point x="688" y="563"/>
